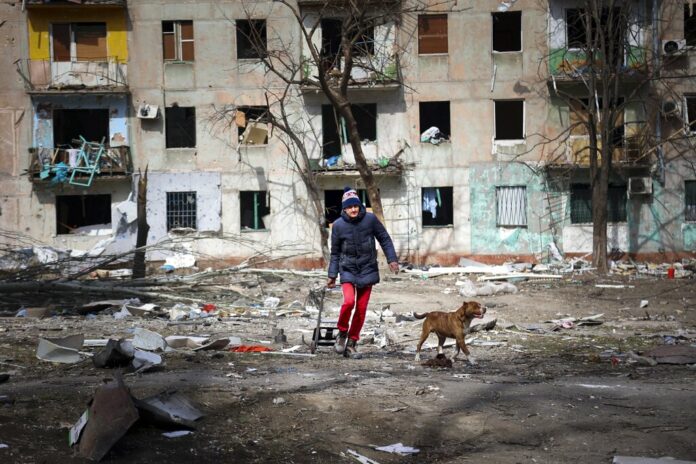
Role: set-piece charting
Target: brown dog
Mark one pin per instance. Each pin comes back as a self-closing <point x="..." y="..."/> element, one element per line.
<point x="452" y="325"/>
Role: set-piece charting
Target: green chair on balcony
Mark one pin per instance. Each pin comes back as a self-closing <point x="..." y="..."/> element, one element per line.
<point x="87" y="162"/>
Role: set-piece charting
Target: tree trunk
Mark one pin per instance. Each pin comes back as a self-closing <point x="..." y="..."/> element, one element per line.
<point x="360" y="161"/>
<point x="600" y="212"/>
<point x="143" y="228"/>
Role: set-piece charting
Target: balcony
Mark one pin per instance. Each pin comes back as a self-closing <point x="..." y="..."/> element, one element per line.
<point x="79" y="166"/>
<point x="75" y="3"/>
<point x="335" y="166"/>
<point x="577" y="154"/>
<point x="368" y="73"/>
<point x="45" y="76"/>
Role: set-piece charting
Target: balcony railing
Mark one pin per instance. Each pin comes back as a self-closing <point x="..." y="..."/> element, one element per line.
<point x="69" y="76"/>
<point x="334" y="166"/>
<point x="631" y="153"/>
<point x="79" y="166"/>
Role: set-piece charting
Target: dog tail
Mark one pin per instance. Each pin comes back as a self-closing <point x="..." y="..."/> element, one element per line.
<point x="419" y="315"/>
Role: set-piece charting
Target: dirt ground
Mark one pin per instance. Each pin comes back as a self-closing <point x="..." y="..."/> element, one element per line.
<point x="536" y="395"/>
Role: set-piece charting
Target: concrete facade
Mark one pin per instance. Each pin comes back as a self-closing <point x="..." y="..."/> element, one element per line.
<point x="473" y="170"/>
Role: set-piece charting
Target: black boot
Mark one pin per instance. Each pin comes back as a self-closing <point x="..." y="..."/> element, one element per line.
<point x="340" y="344"/>
<point x="351" y="351"/>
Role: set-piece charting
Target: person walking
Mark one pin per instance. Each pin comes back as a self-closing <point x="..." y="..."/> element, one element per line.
<point x="354" y="257"/>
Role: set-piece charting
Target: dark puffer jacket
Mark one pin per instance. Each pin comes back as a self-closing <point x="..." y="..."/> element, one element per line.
<point x="353" y="252"/>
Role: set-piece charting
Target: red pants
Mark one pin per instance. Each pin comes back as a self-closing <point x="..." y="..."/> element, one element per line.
<point x="349" y="301"/>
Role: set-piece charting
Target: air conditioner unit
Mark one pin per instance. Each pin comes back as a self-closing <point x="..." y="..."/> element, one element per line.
<point x="146" y="111"/>
<point x="639" y="186"/>
<point x="670" y="107"/>
<point x="670" y="47"/>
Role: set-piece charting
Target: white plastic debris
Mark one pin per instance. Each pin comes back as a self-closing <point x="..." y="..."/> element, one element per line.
<point x="148" y="340"/>
<point x="177" y="433"/>
<point x="122" y="314"/>
<point x="180" y="260"/>
<point x="271" y="302"/>
<point x="398" y="448"/>
<point x="644" y="303"/>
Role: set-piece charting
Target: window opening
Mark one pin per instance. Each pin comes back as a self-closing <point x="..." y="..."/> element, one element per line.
<point x="70" y="124"/>
<point x="690" y="200"/>
<point x="181" y="210"/>
<point x="180" y="126"/>
<point x="432" y="34"/>
<point x="507" y="31"/>
<point x="79" y="41"/>
<point x="511" y="206"/>
<point x="177" y="40"/>
<point x="252" y="42"/>
<point x="73" y="211"/>
<point x="689" y="24"/>
<point x="253" y="206"/>
<point x="690" y="116"/>
<point x="252" y="125"/>
<point x="332" y="203"/>
<point x="576" y="31"/>
<point x="434" y="115"/>
<point x="437" y="206"/>
<point x="579" y="116"/>
<point x="335" y="130"/>
<point x="581" y="204"/>
<point x="509" y="119"/>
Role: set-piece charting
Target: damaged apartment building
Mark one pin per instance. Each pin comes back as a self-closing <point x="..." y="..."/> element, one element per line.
<point x="461" y="125"/>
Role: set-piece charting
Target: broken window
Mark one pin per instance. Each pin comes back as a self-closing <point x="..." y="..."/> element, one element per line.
<point x="511" y="205"/>
<point x="252" y="125"/>
<point x="689" y="24"/>
<point x="509" y="119"/>
<point x="70" y="124"/>
<point x="181" y="210"/>
<point x="251" y="39"/>
<point x="177" y="40"/>
<point x="690" y="113"/>
<point x="332" y="203"/>
<point x="437" y="206"/>
<point x="180" y="126"/>
<point x="432" y="34"/>
<point x="331" y="30"/>
<point x="435" y="114"/>
<point x="335" y="130"/>
<point x="79" y="41"/>
<point x="580" y="114"/>
<point x="507" y="31"/>
<point x="690" y="200"/>
<point x="253" y="206"/>
<point x="613" y="23"/>
<point x="73" y="211"/>
<point x="581" y="204"/>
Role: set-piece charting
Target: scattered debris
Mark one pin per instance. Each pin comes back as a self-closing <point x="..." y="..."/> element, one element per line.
<point x="168" y="409"/>
<point x="641" y="460"/>
<point x="109" y="416"/>
<point x="360" y="458"/>
<point x="61" y="350"/>
<point x="438" y="361"/>
<point x="398" y="448"/>
<point x="116" y="353"/>
<point x="177" y="433"/>
<point x="672" y="354"/>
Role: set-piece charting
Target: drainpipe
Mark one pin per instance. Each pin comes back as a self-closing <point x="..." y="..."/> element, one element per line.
<point x="656" y="64"/>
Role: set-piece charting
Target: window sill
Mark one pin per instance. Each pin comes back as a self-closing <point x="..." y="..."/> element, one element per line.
<point x="251" y="145"/>
<point x="509" y="142"/>
<point x="178" y="62"/>
<point x="251" y="231"/>
<point x="250" y="60"/>
<point x="448" y="142"/>
<point x="181" y="149"/>
<point x="511" y="52"/>
<point x="433" y="54"/>
<point x="446" y="226"/>
<point x="512" y="227"/>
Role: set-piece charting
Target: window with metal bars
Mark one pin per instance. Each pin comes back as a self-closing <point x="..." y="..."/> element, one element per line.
<point x="181" y="210"/>
<point x="253" y="206"/>
<point x="581" y="204"/>
<point x="511" y="205"/>
<point x="690" y="200"/>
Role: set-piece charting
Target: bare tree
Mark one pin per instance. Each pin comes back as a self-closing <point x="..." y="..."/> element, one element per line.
<point x="609" y="63"/>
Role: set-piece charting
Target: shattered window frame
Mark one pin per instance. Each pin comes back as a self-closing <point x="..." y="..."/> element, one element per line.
<point x="182" y="210"/>
<point x="177" y="49"/>
<point x="507" y="32"/>
<point x="690" y="200"/>
<point x="689" y="25"/>
<point x="248" y="33"/>
<point x="180" y="126"/>
<point x="76" y="46"/>
<point x="511" y="206"/>
<point x="424" y="123"/>
<point x="501" y="125"/>
<point x="257" y="114"/>
<point x="251" y="200"/>
<point x="67" y="212"/>
<point x="444" y="207"/>
<point x="690" y="114"/>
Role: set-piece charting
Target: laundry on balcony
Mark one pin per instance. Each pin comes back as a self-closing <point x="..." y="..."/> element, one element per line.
<point x="433" y="135"/>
